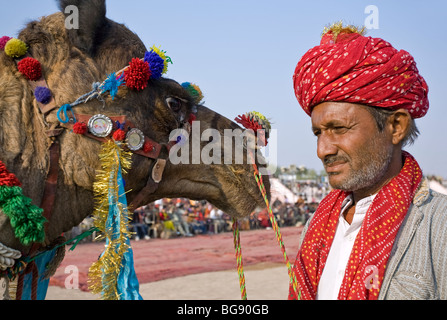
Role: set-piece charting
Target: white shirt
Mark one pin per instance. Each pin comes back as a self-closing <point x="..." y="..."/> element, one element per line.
<point x="337" y="260"/>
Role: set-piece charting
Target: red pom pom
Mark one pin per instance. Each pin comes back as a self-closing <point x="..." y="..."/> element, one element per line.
<point x="8" y="179"/>
<point x="80" y="128"/>
<point x="137" y="74"/>
<point x="30" y="68"/>
<point x="250" y="124"/>
<point x="192" y="118"/>
<point x="119" y="135"/>
<point x="148" y="147"/>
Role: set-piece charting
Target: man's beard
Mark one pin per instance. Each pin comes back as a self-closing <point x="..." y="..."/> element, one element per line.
<point x="374" y="162"/>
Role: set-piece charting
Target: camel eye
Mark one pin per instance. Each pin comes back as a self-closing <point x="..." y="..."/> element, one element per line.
<point x="174" y="103"/>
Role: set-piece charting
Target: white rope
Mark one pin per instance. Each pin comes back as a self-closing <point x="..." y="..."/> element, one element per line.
<point x="8" y="257"/>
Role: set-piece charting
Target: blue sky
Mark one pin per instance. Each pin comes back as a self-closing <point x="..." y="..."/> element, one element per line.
<point x="242" y="53"/>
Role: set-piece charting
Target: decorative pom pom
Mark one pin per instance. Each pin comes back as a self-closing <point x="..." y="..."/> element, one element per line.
<point x="43" y="95"/>
<point x="256" y="121"/>
<point x="148" y="147"/>
<point x="192" y="118"/>
<point x="3" y="41"/>
<point x="80" y="128"/>
<point x="119" y="135"/>
<point x="15" y="48"/>
<point x="156" y="64"/>
<point x="30" y="68"/>
<point x="6" y="178"/>
<point x="137" y="74"/>
<point x="112" y="84"/>
<point x="194" y="91"/>
<point x="162" y="55"/>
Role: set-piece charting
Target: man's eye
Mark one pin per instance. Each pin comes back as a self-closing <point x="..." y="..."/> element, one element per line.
<point x="340" y="129"/>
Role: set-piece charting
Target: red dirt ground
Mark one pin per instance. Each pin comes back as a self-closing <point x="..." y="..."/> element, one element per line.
<point x="159" y="259"/>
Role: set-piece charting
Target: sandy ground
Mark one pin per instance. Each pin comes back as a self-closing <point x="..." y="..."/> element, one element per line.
<point x="263" y="282"/>
<point x="198" y="268"/>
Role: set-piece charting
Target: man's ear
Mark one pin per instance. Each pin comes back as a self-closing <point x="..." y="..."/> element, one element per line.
<point x="400" y="123"/>
<point x="91" y="23"/>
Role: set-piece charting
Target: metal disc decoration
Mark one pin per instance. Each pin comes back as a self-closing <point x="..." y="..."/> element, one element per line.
<point x="135" y="139"/>
<point x="100" y="126"/>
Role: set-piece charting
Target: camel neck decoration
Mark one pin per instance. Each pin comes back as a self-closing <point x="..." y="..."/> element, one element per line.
<point x="113" y="275"/>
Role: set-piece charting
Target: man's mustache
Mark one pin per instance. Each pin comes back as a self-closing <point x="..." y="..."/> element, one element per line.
<point x="333" y="159"/>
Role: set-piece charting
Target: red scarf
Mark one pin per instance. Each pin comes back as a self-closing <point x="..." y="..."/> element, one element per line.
<point x="372" y="248"/>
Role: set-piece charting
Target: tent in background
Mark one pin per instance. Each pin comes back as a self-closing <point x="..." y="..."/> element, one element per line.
<point x="436" y="186"/>
<point x="281" y="192"/>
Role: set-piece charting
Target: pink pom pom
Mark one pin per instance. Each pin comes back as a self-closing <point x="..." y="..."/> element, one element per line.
<point x="3" y="41"/>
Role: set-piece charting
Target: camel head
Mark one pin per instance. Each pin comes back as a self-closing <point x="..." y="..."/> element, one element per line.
<point x="72" y="60"/>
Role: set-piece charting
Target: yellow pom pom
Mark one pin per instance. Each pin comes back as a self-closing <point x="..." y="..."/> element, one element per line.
<point x="15" y="48"/>
<point x="162" y="55"/>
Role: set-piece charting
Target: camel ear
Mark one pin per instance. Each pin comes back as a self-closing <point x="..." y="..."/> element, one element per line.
<point x="85" y="22"/>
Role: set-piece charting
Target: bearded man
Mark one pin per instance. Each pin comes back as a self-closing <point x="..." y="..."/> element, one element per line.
<point x="381" y="233"/>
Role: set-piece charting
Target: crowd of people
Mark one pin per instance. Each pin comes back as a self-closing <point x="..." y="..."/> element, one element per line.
<point x="169" y="218"/>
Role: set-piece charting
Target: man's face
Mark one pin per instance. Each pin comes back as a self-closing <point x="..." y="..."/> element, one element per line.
<point x="355" y="155"/>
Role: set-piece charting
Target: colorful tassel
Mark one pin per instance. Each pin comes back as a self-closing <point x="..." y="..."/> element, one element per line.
<point x="194" y="91"/>
<point x="3" y="41"/>
<point x="26" y="219"/>
<point x="119" y="135"/>
<point x="137" y="74"/>
<point x="256" y="121"/>
<point x="80" y="128"/>
<point x="156" y="64"/>
<point x="111" y="84"/>
<point x="162" y="55"/>
<point x="43" y="95"/>
<point x="30" y="68"/>
<point x="15" y="48"/>
<point x="113" y="275"/>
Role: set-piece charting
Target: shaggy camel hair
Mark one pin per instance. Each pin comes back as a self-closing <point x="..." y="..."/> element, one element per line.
<point x="71" y="61"/>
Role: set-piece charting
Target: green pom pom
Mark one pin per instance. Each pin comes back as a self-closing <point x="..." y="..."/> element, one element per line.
<point x="194" y="91"/>
<point x="15" y="48"/>
<point x="26" y="219"/>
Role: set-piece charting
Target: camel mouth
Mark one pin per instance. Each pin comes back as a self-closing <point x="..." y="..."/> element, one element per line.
<point x="243" y="196"/>
<point x="231" y="188"/>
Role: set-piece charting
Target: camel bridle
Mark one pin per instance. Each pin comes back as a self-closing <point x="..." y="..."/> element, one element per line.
<point x="159" y="152"/>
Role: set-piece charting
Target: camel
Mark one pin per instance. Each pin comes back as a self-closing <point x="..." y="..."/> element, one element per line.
<point x="71" y="60"/>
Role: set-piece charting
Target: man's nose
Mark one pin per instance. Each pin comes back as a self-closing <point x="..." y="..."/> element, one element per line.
<point x="326" y="146"/>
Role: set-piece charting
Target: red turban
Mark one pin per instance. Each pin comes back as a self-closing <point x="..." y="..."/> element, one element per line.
<point x="349" y="67"/>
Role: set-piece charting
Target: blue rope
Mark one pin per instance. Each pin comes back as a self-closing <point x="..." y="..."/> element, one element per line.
<point x="65" y="108"/>
<point x="83" y="99"/>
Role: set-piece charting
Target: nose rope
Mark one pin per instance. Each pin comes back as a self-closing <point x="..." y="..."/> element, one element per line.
<point x="237" y="243"/>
